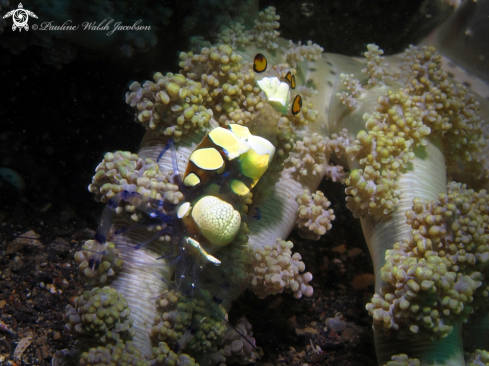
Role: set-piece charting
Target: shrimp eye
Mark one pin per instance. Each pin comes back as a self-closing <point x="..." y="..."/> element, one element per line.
<point x="296" y="105"/>
<point x="184" y="210"/>
<point x="259" y="63"/>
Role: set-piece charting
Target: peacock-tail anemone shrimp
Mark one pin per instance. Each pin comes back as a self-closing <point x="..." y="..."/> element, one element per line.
<point x="221" y="171"/>
<point x="183" y="238"/>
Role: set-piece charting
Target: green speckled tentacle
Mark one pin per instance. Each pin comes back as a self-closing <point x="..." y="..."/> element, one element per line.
<point x="382" y="233"/>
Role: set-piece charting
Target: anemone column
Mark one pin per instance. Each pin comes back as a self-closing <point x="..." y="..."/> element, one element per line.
<point x="426" y="180"/>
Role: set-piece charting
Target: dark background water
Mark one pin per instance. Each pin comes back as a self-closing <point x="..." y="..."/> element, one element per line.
<point x="57" y="121"/>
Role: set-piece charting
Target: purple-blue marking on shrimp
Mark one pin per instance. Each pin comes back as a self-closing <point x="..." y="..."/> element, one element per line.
<point x="141" y="203"/>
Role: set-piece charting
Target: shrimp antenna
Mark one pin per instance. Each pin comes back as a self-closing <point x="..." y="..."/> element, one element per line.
<point x="170" y="145"/>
